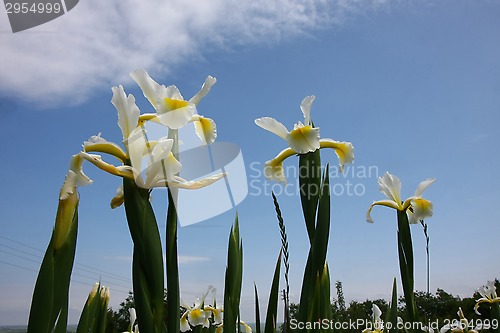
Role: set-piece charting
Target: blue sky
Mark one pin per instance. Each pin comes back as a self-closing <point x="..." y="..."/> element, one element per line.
<point x="413" y="85"/>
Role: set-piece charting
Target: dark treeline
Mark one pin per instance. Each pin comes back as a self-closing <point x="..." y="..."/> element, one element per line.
<point x="437" y="308"/>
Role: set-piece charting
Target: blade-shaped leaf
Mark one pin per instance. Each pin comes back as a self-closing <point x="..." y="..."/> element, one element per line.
<point x="147" y="265"/>
<point x="233" y="278"/>
<point x="257" y="311"/>
<point x="405" y="252"/>
<point x="49" y="307"/>
<point x="272" y="306"/>
<point x="173" y="289"/>
<point x="309" y="184"/>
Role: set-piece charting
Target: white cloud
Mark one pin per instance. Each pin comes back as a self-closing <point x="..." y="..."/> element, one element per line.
<point x="191" y="259"/>
<point x="98" y="43"/>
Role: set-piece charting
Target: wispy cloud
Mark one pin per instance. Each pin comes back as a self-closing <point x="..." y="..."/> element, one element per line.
<point x="192" y="259"/>
<point x="99" y="42"/>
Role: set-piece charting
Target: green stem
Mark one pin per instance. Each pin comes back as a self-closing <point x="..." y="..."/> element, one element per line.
<point x="405" y="251"/>
<point x="172" y="266"/>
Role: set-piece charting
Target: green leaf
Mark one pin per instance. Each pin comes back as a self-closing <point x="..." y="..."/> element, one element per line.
<point x="317" y="256"/>
<point x="272" y="306"/>
<point x="309" y="184"/>
<point x="233" y="279"/>
<point x="405" y="252"/>
<point x="257" y="311"/>
<point x="147" y="265"/>
<point x="325" y="305"/>
<point x="49" y="307"/>
<point x="173" y="291"/>
<point x="393" y="312"/>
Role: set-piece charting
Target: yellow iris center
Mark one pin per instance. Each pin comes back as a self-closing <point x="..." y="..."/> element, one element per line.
<point x="174" y="104"/>
<point x="301" y="133"/>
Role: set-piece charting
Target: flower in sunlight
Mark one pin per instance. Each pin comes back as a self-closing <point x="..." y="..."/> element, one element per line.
<point x="74" y="178"/>
<point x="461" y="326"/>
<point x="133" y="327"/>
<point x="304" y="138"/>
<point x="248" y="329"/>
<point x="201" y="314"/>
<point x="488" y="295"/>
<point x="172" y="110"/>
<point x="149" y="163"/>
<point x="418" y="207"/>
<point x="377" y="324"/>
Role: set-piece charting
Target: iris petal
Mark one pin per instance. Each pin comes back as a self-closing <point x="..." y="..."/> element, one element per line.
<point x="205" y="88"/>
<point x="387" y="203"/>
<point x="344" y="150"/>
<point x="304" y="139"/>
<point x="390" y="185"/>
<point x="205" y="129"/>
<point x="273" y="126"/>
<point x="423" y="185"/>
<point x="305" y="106"/>
<point x="128" y="111"/>
<point x="150" y="88"/>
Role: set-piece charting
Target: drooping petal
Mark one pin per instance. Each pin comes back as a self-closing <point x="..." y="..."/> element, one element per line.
<point x="376" y="312"/>
<point x="133" y="316"/>
<point x="217" y="316"/>
<point x="303" y="139"/>
<point x="422" y="209"/>
<point x="179" y="182"/>
<point x="205" y="129"/>
<point x="390" y="185"/>
<point x="205" y="88"/>
<point x="387" y="203"/>
<point x="184" y="324"/>
<point x="273" y="170"/>
<point x="273" y="126"/>
<point x="344" y="150"/>
<point x="150" y="88"/>
<point x="206" y="323"/>
<point x="128" y="111"/>
<point x="248" y="329"/>
<point x="74" y="178"/>
<point x="122" y="171"/>
<point x="96" y="143"/>
<point x="305" y="106"/>
<point x="423" y="185"/>
<point x="118" y="200"/>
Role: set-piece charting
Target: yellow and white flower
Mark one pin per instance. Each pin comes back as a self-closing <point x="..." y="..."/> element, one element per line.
<point x="419" y="208"/>
<point x="74" y="178"/>
<point x="461" y="326"/>
<point x="304" y="138"/>
<point x="133" y="327"/>
<point x="488" y="295"/>
<point x="200" y="314"/>
<point x="152" y="163"/>
<point x="172" y="110"/>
